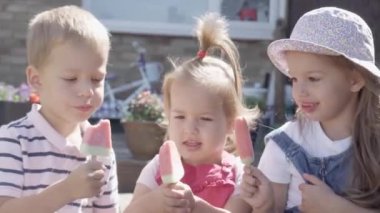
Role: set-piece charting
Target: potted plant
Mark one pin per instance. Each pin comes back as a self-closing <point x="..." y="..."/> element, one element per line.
<point x="142" y="120"/>
<point x="14" y="102"/>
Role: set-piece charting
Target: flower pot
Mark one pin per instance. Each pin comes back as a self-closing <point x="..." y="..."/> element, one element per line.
<point x="143" y="138"/>
<point x="10" y="111"/>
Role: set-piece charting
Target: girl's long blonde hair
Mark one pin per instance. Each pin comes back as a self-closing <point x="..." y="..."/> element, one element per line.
<point x="219" y="70"/>
<point x="365" y="177"/>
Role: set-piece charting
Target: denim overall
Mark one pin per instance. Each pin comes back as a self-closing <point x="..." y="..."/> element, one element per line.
<point x="333" y="170"/>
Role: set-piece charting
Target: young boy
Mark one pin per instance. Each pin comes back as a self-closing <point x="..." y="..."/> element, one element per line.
<point x="41" y="167"/>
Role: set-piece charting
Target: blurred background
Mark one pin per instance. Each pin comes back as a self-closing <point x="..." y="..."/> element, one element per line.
<point x="145" y="33"/>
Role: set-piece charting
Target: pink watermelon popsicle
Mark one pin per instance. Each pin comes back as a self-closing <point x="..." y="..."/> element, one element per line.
<point x="243" y="141"/>
<point x="97" y="139"/>
<point x="171" y="168"/>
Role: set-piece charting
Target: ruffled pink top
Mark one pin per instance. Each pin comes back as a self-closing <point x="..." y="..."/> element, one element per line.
<point x="213" y="183"/>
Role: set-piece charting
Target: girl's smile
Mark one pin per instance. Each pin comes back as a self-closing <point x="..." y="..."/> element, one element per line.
<point x="309" y="107"/>
<point x="192" y="145"/>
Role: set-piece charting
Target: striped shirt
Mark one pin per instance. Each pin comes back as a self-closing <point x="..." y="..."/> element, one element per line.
<point x="33" y="156"/>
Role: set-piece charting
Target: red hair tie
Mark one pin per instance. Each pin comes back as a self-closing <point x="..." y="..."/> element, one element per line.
<point x="201" y="54"/>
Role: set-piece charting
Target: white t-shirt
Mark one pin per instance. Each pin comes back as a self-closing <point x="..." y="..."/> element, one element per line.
<point x="279" y="169"/>
<point x="148" y="174"/>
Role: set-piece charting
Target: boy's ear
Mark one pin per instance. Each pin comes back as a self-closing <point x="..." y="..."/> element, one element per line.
<point x="357" y="81"/>
<point x="33" y="78"/>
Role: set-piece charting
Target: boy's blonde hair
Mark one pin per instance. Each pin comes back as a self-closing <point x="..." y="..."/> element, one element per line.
<point x="60" y="25"/>
<point x="213" y="72"/>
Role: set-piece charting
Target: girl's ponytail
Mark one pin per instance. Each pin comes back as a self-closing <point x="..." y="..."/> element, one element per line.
<point x="212" y="33"/>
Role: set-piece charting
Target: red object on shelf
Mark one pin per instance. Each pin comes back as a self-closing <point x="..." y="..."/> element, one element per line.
<point x="249" y="14"/>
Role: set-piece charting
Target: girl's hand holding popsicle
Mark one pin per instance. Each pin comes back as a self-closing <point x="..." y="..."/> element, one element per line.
<point x="256" y="189"/>
<point x="177" y="195"/>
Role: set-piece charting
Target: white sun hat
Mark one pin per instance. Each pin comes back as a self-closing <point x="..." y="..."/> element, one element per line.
<point x="328" y="31"/>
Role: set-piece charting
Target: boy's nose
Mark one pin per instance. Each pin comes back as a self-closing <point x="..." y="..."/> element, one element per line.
<point x="86" y="90"/>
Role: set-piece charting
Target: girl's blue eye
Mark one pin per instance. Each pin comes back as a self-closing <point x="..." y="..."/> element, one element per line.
<point x="70" y="79"/>
<point x="179" y="117"/>
<point x="313" y="79"/>
<point x="206" y="119"/>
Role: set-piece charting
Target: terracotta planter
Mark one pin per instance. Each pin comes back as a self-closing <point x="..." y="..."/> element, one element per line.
<point x="10" y="111"/>
<point x="143" y="138"/>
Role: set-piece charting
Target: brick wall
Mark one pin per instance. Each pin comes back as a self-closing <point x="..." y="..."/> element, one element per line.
<point x="14" y="16"/>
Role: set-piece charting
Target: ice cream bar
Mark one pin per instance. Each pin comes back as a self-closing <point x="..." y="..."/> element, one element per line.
<point x="97" y="139"/>
<point x="171" y="168"/>
<point x="243" y="141"/>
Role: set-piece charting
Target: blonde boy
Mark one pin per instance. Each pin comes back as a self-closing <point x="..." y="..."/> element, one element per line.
<point x="41" y="167"/>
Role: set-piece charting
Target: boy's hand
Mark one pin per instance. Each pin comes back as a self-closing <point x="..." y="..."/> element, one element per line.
<point x="178" y="197"/>
<point x="316" y="196"/>
<point x="256" y="189"/>
<point x="86" y="180"/>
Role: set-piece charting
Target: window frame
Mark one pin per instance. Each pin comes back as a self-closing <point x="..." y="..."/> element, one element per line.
<point x="237" y="29"/>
